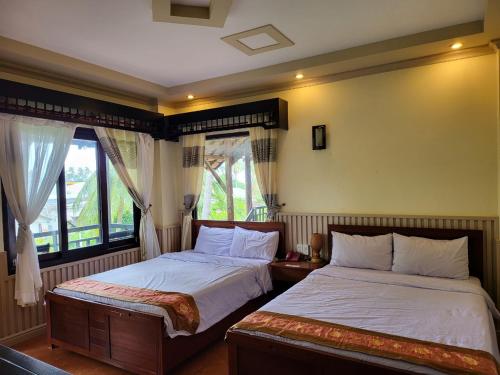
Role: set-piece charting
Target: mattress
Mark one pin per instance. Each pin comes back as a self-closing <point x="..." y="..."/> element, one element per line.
<point x="218" y="284"/>
<point x="453" y="312"/>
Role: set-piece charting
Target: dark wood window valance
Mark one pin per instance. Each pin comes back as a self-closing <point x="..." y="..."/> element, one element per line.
<point x="27" y="100"/>
<point x="270" y="114"/>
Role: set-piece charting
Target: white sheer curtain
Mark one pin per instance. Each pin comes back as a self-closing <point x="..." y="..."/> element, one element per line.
<point x="132" y="155"/>
<point x="264" y="143"/>
<point x="32" y="155"/>
<point x="193" y="158"/>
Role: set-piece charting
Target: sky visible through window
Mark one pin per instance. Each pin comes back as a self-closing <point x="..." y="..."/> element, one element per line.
<point x="82" y="204"/>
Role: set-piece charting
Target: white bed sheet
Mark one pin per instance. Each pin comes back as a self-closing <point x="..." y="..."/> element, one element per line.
<point x="454" y="312"/>
<point x="218" y="284"/>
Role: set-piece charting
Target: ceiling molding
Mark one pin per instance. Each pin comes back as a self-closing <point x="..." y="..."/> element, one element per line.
<point x="235" y="40"/>
<point x="28" y="57"/>
<point x="377" y="69"/>
<point x="492" y="19"/>
<point x="387" y="51"/>
<point x="213" y="15"/>
<point x="316" y="69"/>
<point x="54" y="81"/>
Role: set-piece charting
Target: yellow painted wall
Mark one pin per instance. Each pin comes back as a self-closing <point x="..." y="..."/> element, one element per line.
<point x="413" y="141"/>
<point x="166" y="187"/>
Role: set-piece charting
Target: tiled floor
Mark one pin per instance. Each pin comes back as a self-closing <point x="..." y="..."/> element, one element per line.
<point x="212" y="361"/>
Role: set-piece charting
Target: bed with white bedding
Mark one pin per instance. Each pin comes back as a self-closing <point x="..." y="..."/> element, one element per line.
<point x="453" y="312"/>
<point x="150" y="316"/>
<point x="218" y="284"/>
<point x="427" y="312"/>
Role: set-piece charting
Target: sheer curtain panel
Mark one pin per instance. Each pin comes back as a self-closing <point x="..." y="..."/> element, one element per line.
<point x="193" y="157"/>
<point x="132" y="155"/>
<point x="32" y="155"/>
<point x="264" y="151"/>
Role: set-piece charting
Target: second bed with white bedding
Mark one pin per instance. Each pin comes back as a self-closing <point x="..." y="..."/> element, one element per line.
<point x="218" y="284"/>
<point x="453" y="312"/>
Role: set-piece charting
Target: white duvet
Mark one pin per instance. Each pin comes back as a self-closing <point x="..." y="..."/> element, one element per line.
<point x="218" y="284"/>
<point x="454" y="312"/>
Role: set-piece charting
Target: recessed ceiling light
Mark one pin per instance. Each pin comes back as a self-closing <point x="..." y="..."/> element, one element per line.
<point x="456" y="45"/>
<point x="190" y="97"/>
<point x="299" y="76"/>
<point x="261" y="39"/>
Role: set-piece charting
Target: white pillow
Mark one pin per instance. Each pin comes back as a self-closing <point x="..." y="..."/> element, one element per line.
<point x="254" y="244"/>
<point x="357" y="251"/>
<point x="215" y="241"/>
<point x="423" y="256"/>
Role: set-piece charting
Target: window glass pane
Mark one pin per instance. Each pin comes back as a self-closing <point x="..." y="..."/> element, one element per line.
<point x="121" y="207"/>
<point x="45" y="229"/>
<point x="82" y="195"/>
<point x="213" y="201"/>
<point x="245" y="199"/>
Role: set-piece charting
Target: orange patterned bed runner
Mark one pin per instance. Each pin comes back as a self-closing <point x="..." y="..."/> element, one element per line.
<point x="180" y="307"/>
<point x="445" y="358"/>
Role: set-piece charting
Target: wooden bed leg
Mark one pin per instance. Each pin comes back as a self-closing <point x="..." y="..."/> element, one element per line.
<point x="232" y="350"/>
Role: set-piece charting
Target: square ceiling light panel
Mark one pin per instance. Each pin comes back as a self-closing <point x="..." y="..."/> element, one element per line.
<point x="192" y="12"/>
<point x="259" y="40"/>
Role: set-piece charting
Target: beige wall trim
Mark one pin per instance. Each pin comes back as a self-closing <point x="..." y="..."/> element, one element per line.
<point x="59" y="82"/>
<point x="399" y="216"/>
<point x="495" y="44"/>
<point x="492" y="19"/>
<point x="411" y="63"/>
<point x="169" y="238"/>
<point x="20" y="337"/>
<point x="213" y="15"/>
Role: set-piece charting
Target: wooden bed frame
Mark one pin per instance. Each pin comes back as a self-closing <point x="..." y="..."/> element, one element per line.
<point x="255" y="355"/>
<point x="132" y="340"/>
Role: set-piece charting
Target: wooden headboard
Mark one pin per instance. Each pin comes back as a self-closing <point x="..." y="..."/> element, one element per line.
<point x="251" y="225"/>
<point x="475" y="239"/>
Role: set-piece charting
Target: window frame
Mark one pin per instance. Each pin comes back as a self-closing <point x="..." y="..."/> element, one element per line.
<point x="64" y="255"/>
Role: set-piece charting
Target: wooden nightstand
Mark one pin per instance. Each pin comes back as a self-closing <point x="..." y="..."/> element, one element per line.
<point x="285" y="274"/>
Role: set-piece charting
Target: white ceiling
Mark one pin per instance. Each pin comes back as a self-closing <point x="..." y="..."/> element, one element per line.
<point x="120" y="34"/>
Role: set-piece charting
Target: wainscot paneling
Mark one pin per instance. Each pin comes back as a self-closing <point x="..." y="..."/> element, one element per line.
<point x="169" y="238"/>
<point x="18" y="323"/>
<point x="299" y="228"/>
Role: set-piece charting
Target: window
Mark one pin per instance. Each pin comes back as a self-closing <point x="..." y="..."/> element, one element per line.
<point x="121" y="207"/>
<point x="82" y="195"/>
<point x="89" y="212"/>
<point x="230" y="190"/>
<point x="46" y="228"/>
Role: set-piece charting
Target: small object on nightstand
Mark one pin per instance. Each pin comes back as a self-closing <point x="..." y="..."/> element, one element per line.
<point x="292" y="256"/>
<point x="316" y="245"/>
